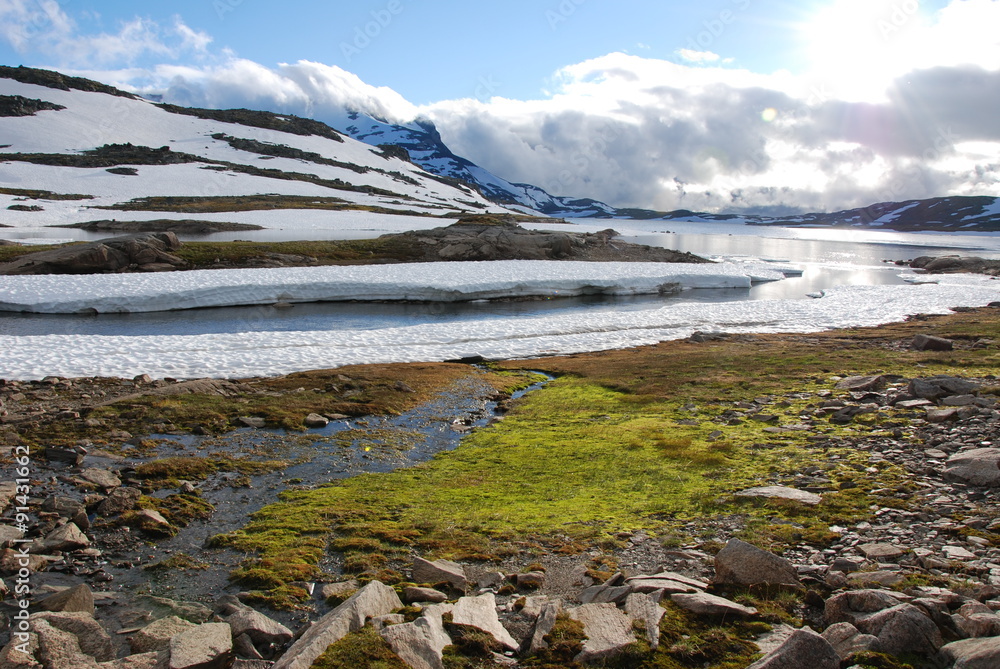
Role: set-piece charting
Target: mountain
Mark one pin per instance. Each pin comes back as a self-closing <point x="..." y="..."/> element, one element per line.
<point x="75" y="151"/>
<point x="425" y="147"/>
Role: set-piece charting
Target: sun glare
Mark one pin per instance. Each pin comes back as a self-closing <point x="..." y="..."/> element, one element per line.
<point x="856" y="47"/>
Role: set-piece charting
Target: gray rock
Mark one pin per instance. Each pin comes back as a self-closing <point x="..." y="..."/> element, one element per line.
<point x="8" y="535"/>
<point x="58" y="649"/>
<point x="105" y="256"/>
<point x="261" y="629"/>
<point x="850" y="607"/>
<point x="92" y="638"/>
<point x="740" y="563"/>
<point x="782" y="492"/>
<point x="206" y="646"/>
<point x="481" y="612"/>
<point x="608" y="631"/>
<point x="102" y="478"/>
<point x="847" y="640"/>
<point x="803" y="649"/>
<point x="882" y="552"/>
<point x="430" y="595"/>
<point x="79" y="598"/>
<point x="152" y="522"/>
<point x="603" y="594"/>
<point x="546" y="621"/>
<point x="923" y="342"/>
<point x="903" y="629"/>
<point x="861" y="383"/>
<point x="532" y="579"/>
<point x="341" y="590"/>
<point x="421" y="643"/>
<point x="65" y="538"/>
<point x="646" y="609"/>
<point x="375" y="599"/>
<point x="119" y="501"/>
<point x="973" y="653"/>
<point x="68" y="508"/>
<point x="156" y="635"/>
<point x="704" y="604"/>
<point x="159" y="607"/>
<point x="314" y="420"/>
<point x="667" y="581"/>
<point x="439" y="571"/>
<point x="979" y="466"/>
<point x="140" y="661"/>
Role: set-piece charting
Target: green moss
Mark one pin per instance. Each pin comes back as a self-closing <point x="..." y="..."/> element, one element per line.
<point x="565" y="642"/>
<point x="179" y="509"/>
<point x="169" y="472"/>
<point x="364" y="648"/>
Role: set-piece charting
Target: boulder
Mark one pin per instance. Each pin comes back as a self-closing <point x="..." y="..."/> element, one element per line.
<point x="608" y="630"/>
<point x="847" y="640"/>
<point x="375" y="599"/>
<point x="782" y="492"/>
<point x="902" y="629"/>
<point x="68" y="508"/>
<point x="606" y="594"/>
<point x="740" y="563"/>
<point x="420" y="644"/>
<point x="439" y="571"/>
<point x="973" y="654"/>
<point x="79" y="598"/>
<point x="429" y="595"/>
<point x="704" y="604"/>
<point x="481" y="612"/>
<point x="102" y="478"/>
<point x="112" y="255"/>
<point x="802" y="649"/>
<point x="58" y="649"/>
<point x="861" y="383"/>
<point x="64" y="538"/>
<point x="882" y="552"/>
<point x="92" y="638"/>
<point x="314" y="420"/>
<point x="646" y="610"/>
<point x="263" y="631"/>
<point x="668" y="582"/>
<point x="119" y="501"/>
<point x="156" y="635"/>
<point x="152" y="522"/>
<point x="206" y="646"/>
<point x="851" y="606"/>
<point x="979" y="466"/>
<point x="923" y="342"/>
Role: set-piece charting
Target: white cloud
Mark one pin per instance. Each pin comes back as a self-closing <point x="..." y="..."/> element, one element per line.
<point x="908" y="117"/>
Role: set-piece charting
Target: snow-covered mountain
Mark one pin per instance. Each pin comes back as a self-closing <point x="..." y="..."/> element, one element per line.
<point x="427" y="149"/>
<point x="73" y="150"/>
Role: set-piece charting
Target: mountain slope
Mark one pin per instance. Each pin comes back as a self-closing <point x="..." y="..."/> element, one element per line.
<point x="73" y="151"/>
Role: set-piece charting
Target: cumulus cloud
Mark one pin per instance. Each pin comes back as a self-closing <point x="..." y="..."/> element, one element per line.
<point x="634" y="131"/>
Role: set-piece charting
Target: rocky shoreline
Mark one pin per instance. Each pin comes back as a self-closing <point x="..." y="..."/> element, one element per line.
<point x="919" y="582"/>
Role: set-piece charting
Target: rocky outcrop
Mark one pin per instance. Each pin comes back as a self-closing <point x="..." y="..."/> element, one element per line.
<point x="137" y="253"/>
<point x="506" y="240"/>
<point x="956" y="264"/>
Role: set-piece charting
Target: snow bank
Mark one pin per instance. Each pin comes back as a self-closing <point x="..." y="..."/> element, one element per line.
<point x="436" y="282"/>
<point x="271" y="353"/>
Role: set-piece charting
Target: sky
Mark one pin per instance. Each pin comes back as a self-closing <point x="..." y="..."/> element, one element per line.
<point x="719" y="105"/>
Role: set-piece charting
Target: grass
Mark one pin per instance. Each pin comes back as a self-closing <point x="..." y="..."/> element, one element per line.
<point x="601" y="450"/>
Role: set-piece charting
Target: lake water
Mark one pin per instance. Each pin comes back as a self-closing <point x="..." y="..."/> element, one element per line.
<point x="827" y="258"/>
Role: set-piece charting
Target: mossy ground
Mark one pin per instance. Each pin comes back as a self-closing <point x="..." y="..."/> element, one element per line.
<point x="614" y="445"/>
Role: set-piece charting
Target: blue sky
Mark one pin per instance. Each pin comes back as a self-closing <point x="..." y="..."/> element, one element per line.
<point x="718" y="104"/>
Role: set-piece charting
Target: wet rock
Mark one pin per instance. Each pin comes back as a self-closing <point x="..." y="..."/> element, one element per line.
<point x="151" y="522"/>
<point x="608" y="630"/>
<point x="979" y="466"/>
<point x="782" y="492"/>
<point x="92" y="638"/>
<point x="740" y="563"/>
<point x="803" y="648"/>
<point x="79" y="598"/>
<point x="65" y="538"/>
<point x="102" y="478"/>
<point x="425" y="571"/>
<point x="119" y="501"/>
<point x="156" y="635"/>
<point x="704" y="604"/>
<point x="253" y="421"/>
<point x="375" y="599"/>
<point x="206" y="646"/>
<point x="68" y="508"/>
<point x="314" y="420"/>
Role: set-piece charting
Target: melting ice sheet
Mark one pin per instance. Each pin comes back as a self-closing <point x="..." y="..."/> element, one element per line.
<point x="267" y="353"/>
<point x="435" y="282"/>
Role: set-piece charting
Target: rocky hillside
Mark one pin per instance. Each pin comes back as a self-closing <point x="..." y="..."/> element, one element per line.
<point x="75" y="151"/>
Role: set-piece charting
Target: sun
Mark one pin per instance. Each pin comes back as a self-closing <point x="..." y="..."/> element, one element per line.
<point x="854" y="48"/>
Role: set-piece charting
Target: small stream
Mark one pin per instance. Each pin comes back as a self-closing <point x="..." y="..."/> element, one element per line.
<point x="342" y="449"/>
